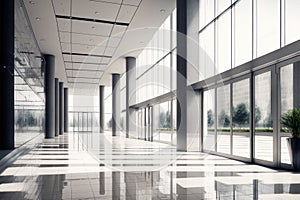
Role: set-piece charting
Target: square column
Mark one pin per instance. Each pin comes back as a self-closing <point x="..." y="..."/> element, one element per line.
<point x="115" y="104"/>
<point x="50" y="96"/>
<point x="7" y="43"/>
<point x="130" y="95"/>
<point x="56" y="107"/>
<point x="61" y="108"/>
<point x="101" y="107"/>
<point x="66" y="110"/>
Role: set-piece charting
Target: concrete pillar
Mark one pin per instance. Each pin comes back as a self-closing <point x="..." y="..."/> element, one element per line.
<point x="66" y="110"/>
<point x="7" y="40"/>
<point x="50" y="95"/>
<point x="101" y="108"/>
<point x="181" y="75"/>
<point x="115" y="104"/>
<point x="61" y="108"/>
<point x="130" y="95"/>
<point x="296" y="84"/>
<point x="56" y="107"/>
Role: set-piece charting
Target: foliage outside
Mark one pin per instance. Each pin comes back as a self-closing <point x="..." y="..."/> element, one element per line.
<point x="291" y="122"/>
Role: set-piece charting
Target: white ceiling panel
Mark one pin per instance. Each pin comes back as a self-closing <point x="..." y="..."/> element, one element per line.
<point x="110" y="1"/>
<point x="85" y="80"/>
<point x="118" y="31"/>
<point x="113" y="42"/>
<point x="132" y="2"/>
<point x="87" y="49"/>
<point x="89" y="39"/>
<point x="65" y="47"/>
<point x="95" y="10"/>
<point x="126" y="13"/>
<point x="62" y="7"/>
<point x="84" y="66"/>
<point x="65" y="37"/>
<point x="64" y="24"/>
<point x="67" y="57"/>
<point x="87" y="59"/>
<point x="109" y="51"/>
<point x="82" y="74"/>
<point x="94" y="28"/>
<point x="105" y="60"/>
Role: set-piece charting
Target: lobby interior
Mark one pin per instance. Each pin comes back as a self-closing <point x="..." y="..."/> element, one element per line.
<point x="148" y="99"/>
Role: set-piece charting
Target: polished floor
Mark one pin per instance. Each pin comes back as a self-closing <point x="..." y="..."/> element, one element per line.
<point x="93" y="166"/>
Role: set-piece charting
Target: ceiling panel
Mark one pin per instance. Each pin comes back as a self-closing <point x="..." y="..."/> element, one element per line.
<point x="83" y="66"/>
<point x="87" y="49"/>
<point x="89" y="39"/>
<point x="109" y="51"/>
<point x="126" y="13"/>
<point x="95" y="10"/>
<point x="64" y="24"/>
<point x="94" y="28"/>
<point x="62" y="7"/>
<point x="87" y="59"/>
<point x="65" y="47"/>
<point x="118" y="31"/>
<point x="83" y="74"/>
<point x="132" y="2"/>
<point x="67" y="57"/>
<point x="110" y="1"/>
<point x="105" y="60"/>
<point x="65" y="37"/>
<point x="113" y="42"/>
<point x="85" y="80"/>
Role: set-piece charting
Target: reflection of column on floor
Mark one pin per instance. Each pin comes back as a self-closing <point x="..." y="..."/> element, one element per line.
<point x="116" y="185"/>
<point x="130" y="185"/>
<point x="181" y="192"/>
<point x="102" y="182"/>
<point x="52" y="186"/>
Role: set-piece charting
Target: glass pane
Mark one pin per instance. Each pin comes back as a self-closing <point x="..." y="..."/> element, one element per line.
<point x="286" y="91"/>
<point x="222" y="5"/>
<point x="268" y="26"/>
<point x="292" y="16"/>
<point x="224" y="42"/>
<point x="209" y="120"/>
<point x="224" y="121"/>
<point x="240" y="118"/>
<point x="206" y="41"/>
<point x="263" y="118"/>
<point x="206" y="12"/>
<point x="242" y="32"/>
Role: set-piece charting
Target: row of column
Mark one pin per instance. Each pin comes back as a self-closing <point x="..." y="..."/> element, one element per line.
<point x="130" y="98"/>
<point x="56" y="101"/>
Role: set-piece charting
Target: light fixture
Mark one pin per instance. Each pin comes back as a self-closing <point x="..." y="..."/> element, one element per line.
<point x="93" y="27"/>
<point x="42" y="40"/>
<point x="37" y="18"/>
<point x="162" y="10"/>
<point x="91" y="40"/>
<point x="97" y="13"/>
<point x="32" y="2"/>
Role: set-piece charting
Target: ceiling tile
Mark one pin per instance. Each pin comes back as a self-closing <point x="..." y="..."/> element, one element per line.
<point x="94" y="28"/>
<point x="113" y="42"/>
<point x="109" y="51"/>
<point x="88" y="49"/>
<point x="67" y="57"/>
<point x="132" y="2"/>
<point x="87" y="80"/>
<point x="105" y="60"/>
<point x="95" y="10"/>
<point x="109" y="1"/>
<point x="87" y="74"/>
<point x="62" y="7"/>
<point x="87" y="59"/>
<point x="126" y="13"/>
<point x="83" y="66"/>
<point x="89" y="39"/>
<point x="65" y="47"/>
<point x="118" y="31"/>
<point x="65" y="37"/>
<point x="64" y="24"/>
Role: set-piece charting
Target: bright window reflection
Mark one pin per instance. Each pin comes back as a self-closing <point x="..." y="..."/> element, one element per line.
<point x="209" y="120"/>
<point x="292" y="16"/>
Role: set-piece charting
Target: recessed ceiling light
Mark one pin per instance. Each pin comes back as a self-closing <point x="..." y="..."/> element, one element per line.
<point x="42" y="40"/>
<point x="97" y="13"/>
<point x="93" y="27"/>
<point x="162" y="10"/>
<point x="37" y="18"/>
<point x="91" y="40"/>
<point x="32" y="2"/>
<point x="141" y="42"/>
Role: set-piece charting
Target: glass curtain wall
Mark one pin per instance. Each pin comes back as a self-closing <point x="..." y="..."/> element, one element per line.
<point x="235" y="32"/>
<point x="29" y="80"/>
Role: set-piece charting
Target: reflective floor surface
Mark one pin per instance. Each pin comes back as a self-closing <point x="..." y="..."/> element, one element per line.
<point x="104" y="167"/>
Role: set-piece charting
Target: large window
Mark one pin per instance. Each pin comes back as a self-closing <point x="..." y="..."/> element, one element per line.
<point x="240" y="118"/>
<point x="263" y="117"/>
<point x="268" y="26"/>
<point x="209" y="120"/>
<point x="292" y="15"/>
